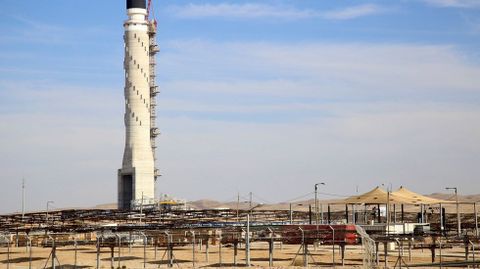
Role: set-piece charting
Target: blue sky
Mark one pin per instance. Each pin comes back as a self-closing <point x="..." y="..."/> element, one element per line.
<point x="255" y="95"/>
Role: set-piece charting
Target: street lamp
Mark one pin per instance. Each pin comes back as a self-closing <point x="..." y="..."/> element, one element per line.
<point x="254" y="207"/>
<point x="316" y="202"/>
<point x="48" y="204"/>
<point x="387" y="212"/>
<point x="247" y="236"/>
<point x="459" y="230"/>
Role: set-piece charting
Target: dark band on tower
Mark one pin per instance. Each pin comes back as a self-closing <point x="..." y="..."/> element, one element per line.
<point x="136" y="4"/>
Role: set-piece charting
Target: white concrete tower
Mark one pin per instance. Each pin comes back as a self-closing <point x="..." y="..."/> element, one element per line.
<point x="136" y="178"/>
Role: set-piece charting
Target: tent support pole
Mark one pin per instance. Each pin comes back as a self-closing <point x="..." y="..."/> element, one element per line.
<point x="403" y="213"/>
<point x="378" y="213"/>
<point x="476" y="218"/>
<point x="346" y="213"/>
<point x="329" y="214"/>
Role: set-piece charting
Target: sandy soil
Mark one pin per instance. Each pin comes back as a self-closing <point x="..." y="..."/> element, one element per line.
<point x="284" y="256"/>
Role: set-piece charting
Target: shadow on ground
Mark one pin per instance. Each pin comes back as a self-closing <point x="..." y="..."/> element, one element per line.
<point x="166" y="262"/>
<point x="70" y="266"/>
<point x="225" y="265"/>
<point x="94" y="252"/>
<point x="22" y="259"/>
<point x="6" y="252"/>
<point x="123" y="258"/>
<point x="73" y="249"/>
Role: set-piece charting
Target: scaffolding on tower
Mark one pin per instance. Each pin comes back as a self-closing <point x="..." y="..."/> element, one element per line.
<point x="153" y="50"/>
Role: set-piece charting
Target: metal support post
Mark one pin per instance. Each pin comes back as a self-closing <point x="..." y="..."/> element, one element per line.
<point x="394" y="213"/>
<point x="365" y="220"/>
<point x="399" y="261"/>
<point x="476" y="218"/>
<point x="220" y="251"/>
<point x="144" y="249"/>
<point x="54" y="252"/>
<point x="467" y="249"/>
<point x="440" y="253"/>
<point x="410" y="250"/>
<point x="403" y="213"/>
<point x="378" y="214"/>
<point x="193" y="248"/>
<point x="305" y="254"/>
<point x="305" y="248"/>
<point x="170" y="250"/>
<point x="247" y="242"/>
<point x="422" y="213"/>
<point x="119" y="254"/>
<point x="329" y="214"/>
<point x="129" y="242"/>
<point x="321" y="213"/>
<point x="30" y="252"/>
<point x="346" y="213"/>
<point x="333" y="245"/>
<point x="354" y="216"/>
<point x="316" y="206"/>
<point x="8" y="250"/>
<point x="235" y="253"/>
<point x="459" y="223"/>
<point x="385" y="250"/>
<point x="291" y="214"/>
<point x="316" y="203"/>
<point x="342" y="250"/>
<point x="155" y="249"/>
<point x="388" y="212"/>
<point x="270" y="252"/>
<point x="310" y="214"/>
<point x="473" y="253"/>
<point x="112" y="255"/>
<point x="16" y="238"/>
<point x="75" y="244"/>
<point x="441" y="219"/>
<point x="98" y="253"/>
<point x="206" y="249"/>
<point x="270" y="248"/>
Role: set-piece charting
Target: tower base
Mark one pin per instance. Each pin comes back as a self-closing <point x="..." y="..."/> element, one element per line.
<point x="126" y="186"/>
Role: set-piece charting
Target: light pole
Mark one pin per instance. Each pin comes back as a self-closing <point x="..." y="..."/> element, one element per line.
<point x="247" y="242"/>
<point x="247" y="236"/>
<point x="459" y="229"/>
<point x="387" y="212"/>
<point x="316" y="201"/>
<point x="48" y="204"/>
<point x="23" y="198"/>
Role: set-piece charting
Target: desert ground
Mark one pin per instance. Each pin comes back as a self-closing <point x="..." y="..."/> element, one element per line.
<point x="283" y="256"/>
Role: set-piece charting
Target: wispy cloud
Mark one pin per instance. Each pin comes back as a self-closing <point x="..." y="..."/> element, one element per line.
<point x="354" y="12"/>
<point x="320" y="69"/>
<point x="248" y="10"/>
<point x="26" y="30"/>
<point x="37" y="31"/>
<point x="253" y="10"/>
<point x="454" y="3"/>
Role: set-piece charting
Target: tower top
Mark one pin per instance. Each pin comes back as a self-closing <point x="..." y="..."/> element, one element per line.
<point x="136" y="4"/>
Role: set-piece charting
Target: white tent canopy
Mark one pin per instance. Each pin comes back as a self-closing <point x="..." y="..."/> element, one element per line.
<point x="400" y="196"/>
